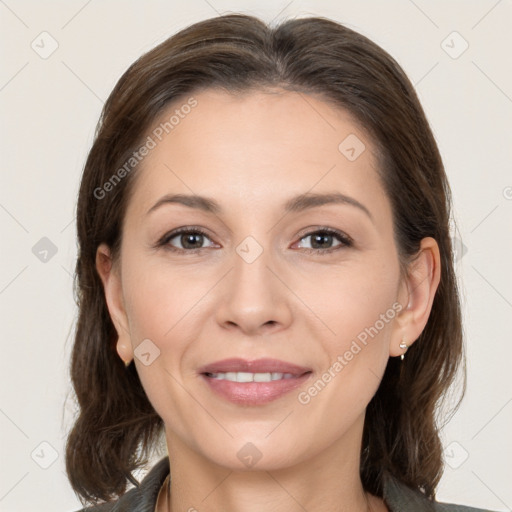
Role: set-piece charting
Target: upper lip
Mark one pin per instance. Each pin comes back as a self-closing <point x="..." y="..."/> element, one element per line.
<point x="264" y="365"/>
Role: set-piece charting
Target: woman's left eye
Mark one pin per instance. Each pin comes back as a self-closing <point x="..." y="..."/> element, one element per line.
<point x="322" y="238"/>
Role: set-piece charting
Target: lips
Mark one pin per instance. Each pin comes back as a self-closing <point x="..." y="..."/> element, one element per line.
<point x="220" y="378"/>
<point x="264" y="365"/>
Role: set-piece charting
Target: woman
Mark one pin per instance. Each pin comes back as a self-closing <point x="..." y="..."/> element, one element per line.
<point x="263" y="226"/>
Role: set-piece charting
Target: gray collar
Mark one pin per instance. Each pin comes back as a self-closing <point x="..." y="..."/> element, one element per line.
<point x="401" y="498"/>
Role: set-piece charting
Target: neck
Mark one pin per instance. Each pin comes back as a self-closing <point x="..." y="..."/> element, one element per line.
<point x="327" y="482"/>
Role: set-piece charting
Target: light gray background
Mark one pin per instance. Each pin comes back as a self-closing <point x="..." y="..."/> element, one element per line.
<point x="49" y="108"/>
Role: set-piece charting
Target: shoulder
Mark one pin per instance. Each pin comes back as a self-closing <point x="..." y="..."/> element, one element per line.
<point x="401" y="498"/>
<point x="141" y="498"/>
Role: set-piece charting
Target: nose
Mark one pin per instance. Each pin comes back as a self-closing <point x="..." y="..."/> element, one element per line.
<point x="253" y="297"/>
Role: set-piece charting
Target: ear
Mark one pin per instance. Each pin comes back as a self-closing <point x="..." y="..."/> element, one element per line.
<point x="110" y="276"/>
<point x="416" y="295"/>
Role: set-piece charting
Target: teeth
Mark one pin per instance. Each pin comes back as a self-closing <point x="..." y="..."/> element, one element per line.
<point x="250" y="377"/>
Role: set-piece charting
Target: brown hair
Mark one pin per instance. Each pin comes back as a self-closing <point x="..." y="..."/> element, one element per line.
<point x="116" y="426"/>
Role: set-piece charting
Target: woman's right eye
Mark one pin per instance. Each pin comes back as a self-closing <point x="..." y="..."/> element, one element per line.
<point x="189" y="240"/>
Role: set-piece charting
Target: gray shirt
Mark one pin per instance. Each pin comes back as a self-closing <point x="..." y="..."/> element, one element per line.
<point x="397" y="496"/>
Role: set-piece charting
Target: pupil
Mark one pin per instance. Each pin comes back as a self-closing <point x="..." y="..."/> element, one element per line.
<point x="320" y="237"/>
<point x="190" y="238"/>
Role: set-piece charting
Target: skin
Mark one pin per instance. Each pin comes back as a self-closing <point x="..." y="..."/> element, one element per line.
<point x="251" y="153"/>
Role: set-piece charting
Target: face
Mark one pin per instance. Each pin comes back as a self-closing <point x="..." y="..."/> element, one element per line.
<point x="315" y="285"/>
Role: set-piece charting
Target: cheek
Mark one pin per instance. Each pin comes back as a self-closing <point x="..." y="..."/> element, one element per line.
<point x="364" y="288"/>
<point x="160" y="307"/>
<point x="357" y="309"/>
<point x="159" y="298"/>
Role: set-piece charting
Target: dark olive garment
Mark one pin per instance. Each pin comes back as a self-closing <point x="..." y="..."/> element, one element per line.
<point x="398" y="497"/>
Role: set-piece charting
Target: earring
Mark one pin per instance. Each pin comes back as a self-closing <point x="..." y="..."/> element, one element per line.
<point x="403" y="345"/>
<point x="126" y="364"/>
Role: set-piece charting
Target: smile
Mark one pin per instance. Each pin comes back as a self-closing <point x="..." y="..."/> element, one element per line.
<point x="250" y="377"/>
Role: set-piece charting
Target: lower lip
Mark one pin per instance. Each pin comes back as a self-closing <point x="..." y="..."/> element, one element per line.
<point x="254" y="393"/>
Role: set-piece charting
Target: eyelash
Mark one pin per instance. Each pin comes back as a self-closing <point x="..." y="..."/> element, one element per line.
<point x="345" y="240"/>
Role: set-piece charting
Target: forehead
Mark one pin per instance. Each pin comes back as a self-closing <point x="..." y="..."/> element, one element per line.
<point x="259" y="146"/>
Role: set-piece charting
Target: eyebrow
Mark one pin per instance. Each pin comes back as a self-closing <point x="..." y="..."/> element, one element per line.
<point x="295" y="204"/>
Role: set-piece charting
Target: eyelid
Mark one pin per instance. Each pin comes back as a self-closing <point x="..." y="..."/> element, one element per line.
<point x="311" y="230"/>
